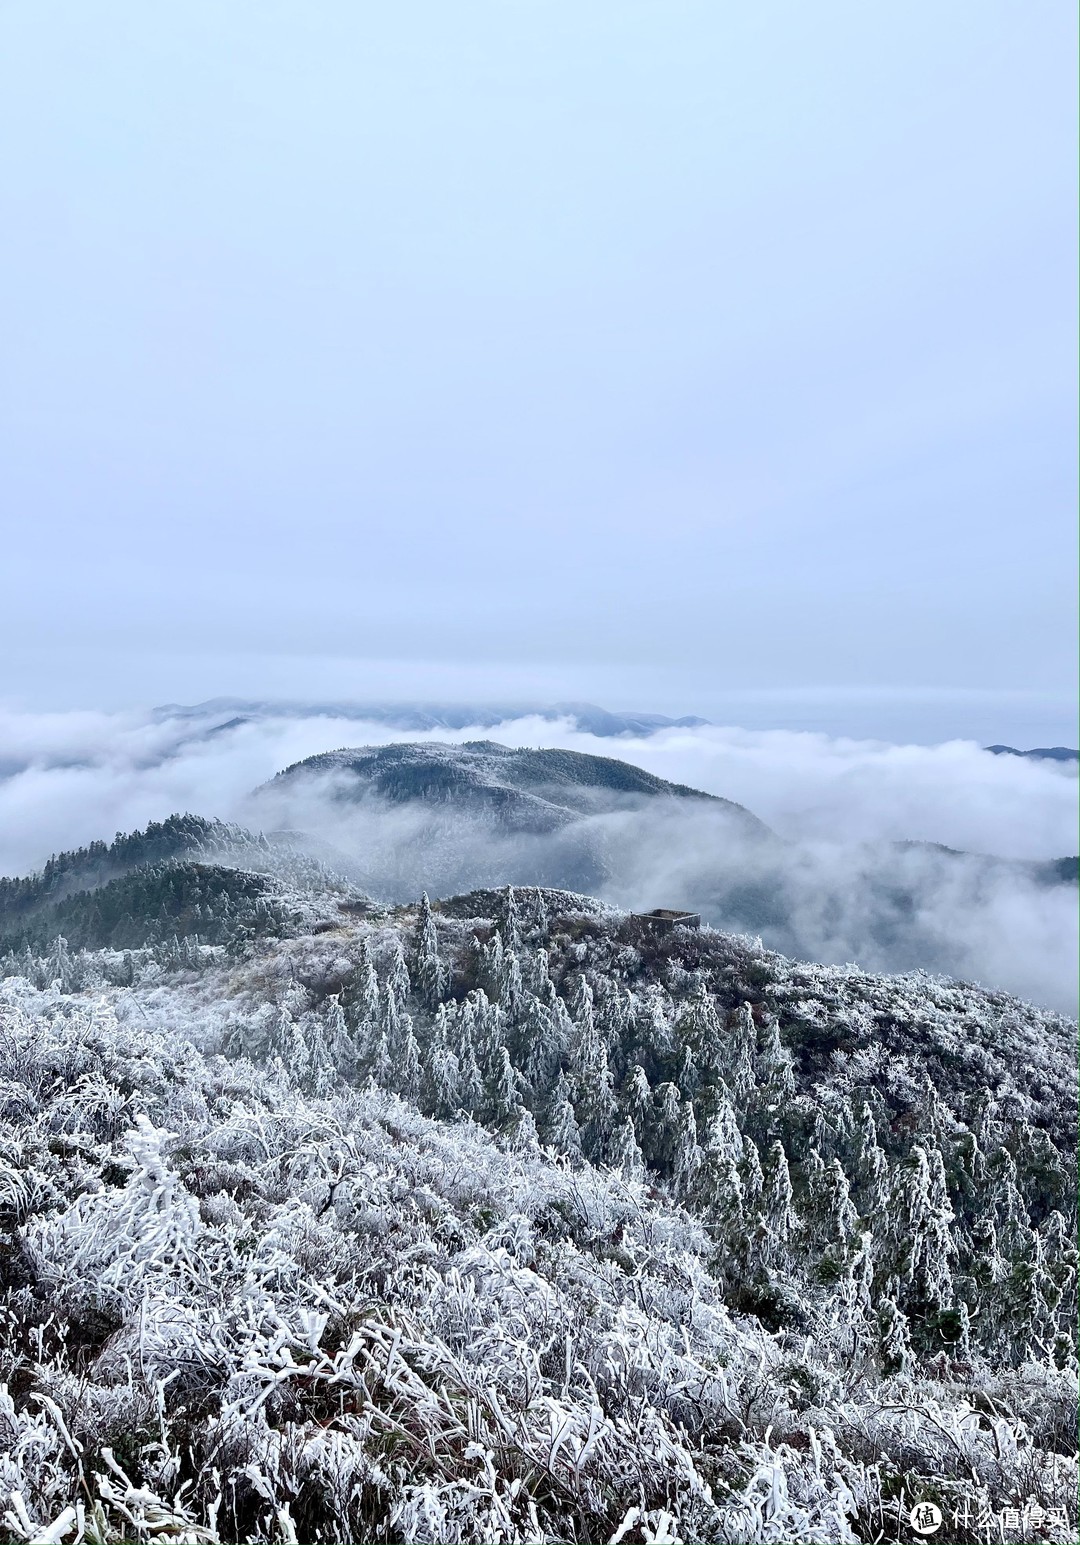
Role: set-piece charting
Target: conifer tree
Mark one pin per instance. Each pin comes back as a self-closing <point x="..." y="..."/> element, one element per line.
<point x="637" y="1098"/>
<point x="398" y="984"/>
<point x="777" y="1201"/>
<point x="444" y="1070"/>
<point x="895" y="1337"/>
<point x="360" y="993"/>
<point x="429" y="974"/>
<point x="740" y="1054"/>
<point x="871" y="1166"/>
<point x="561" y="1128"/>
<point x="624" y="1154"/>
<point x="686" y="1155"/>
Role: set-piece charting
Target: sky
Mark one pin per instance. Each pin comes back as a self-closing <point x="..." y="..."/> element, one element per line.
<point x="699" y="358"/>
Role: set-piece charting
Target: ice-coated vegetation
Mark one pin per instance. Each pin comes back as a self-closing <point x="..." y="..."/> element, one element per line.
<point x="510" y="1219"/>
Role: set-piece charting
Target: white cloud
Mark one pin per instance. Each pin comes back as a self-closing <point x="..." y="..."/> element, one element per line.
<point x="72" y="778"/>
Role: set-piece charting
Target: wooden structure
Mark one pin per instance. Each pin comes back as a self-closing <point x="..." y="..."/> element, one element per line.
<point x="663" y="919"/>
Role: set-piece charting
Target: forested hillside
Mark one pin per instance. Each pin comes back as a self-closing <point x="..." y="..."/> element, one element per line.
<point x="182" y="879"/>
<point x="511" y="1217"/>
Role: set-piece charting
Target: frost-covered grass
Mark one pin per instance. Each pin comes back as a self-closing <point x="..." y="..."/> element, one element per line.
<point x="263" y="1297"/>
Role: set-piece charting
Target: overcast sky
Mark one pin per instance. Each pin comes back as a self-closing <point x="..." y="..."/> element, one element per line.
<point x="700" y="357"/>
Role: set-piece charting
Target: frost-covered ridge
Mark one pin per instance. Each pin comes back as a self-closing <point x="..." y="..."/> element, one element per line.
<point x="504" y="1219"/>
<point x="536" y="790"/>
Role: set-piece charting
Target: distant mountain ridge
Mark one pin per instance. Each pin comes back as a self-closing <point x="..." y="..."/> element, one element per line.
<point x="587" y="717"/>
<point x="1039" y="754"/>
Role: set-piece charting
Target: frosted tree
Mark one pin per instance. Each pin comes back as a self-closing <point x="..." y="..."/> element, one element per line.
<point x="491" y="966"/>
<point x="897" y="1355"/>
<point x="777" y="1208"/>
<point x="509" y="922"/>
<point x="698" y="1027"/>
<point x="653" y="1036"/>
<point x="592" y="1087"/>
<point x="636" y="1098"/>
<point x="504" y="1089"/>
<point x="443" y="1068"/>
<point x="539" y="924"/>
<point x="360" y="994"/>
<point x="920" y="1216"/>
<point x="408" y="1071"/>
<point x="686" y="1153"/>
<point x="340" y="1045"/>
<point x="534" y="1041"/>
<point x="871" y="1166"/>
<point x="521" y="1129"/>
<point x="383" y="1067"/>
<point x="561" y="1130"/>
<point x="740" y="1053"/>
<point x="753" y="1180"/>
<point x="1007" y="1205"/>
<point x="397" y="981"/>
<point x="535" y="975"/>
<point x="471" y="1083"/>
<point x="775" y="1068"/>
<point x="842" y="1219"/>
<point x="624" y="1154"/>
<point x="429" y="973"/>
<point x="59" y="970"/>
<point x="719" y="1184"/>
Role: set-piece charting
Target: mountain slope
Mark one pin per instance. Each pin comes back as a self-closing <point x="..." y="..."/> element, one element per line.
<point x="185" y="876"/>
<point x="525" y="790"/>
<point x="514" y="1218"/>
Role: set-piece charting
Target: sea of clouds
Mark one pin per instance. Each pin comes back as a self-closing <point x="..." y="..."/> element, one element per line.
<point x="66" y="779"/>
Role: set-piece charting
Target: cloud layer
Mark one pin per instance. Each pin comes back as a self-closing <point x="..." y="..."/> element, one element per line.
<point x="832" y="890"/>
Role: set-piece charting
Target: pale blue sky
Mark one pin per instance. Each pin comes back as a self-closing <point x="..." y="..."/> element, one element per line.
<point x="675" y="355"/>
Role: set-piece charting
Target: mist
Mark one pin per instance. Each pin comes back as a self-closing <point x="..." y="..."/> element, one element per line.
<point x="834" y="882"/>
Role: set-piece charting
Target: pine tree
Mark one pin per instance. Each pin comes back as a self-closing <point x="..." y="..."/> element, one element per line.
<point x="719" y="1187"/>
<point x="775" y="1069"/>
<point x="777" y="1202"/>
<point x="398" y="984"/>
<point x="360" y="994"/>
<point x="340" y="1044"/>
<point x="408" y="1071"/>
<point x="429" y="974"/>
<point x="686" y="1155"/>
<point x="624" y="1154"/>
<point x="740" y="1054"/>
<point x="504" y="1088"/>
<point x="843" y="1220"/>
<point x="509" y="923"/>
<point x="895" y="1338"/>
<point x="561" y="1128"/>
<point x="699" y="1030"/>
<point x="871" y="1167"/>
<point x="636" y="1098"/>
<point x="921" y="1215"/>
<point x="444" y="1070"/>
<point x="471" y="1083"/>
<point x="59" y="968"/>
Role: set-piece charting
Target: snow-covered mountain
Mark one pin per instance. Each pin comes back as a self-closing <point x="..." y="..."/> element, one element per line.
<point x="521" y="789"/>
<point x="513" y="1217"/>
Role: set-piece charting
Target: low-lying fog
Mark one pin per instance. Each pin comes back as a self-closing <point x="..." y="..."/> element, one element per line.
<point x="829" y="888"/>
